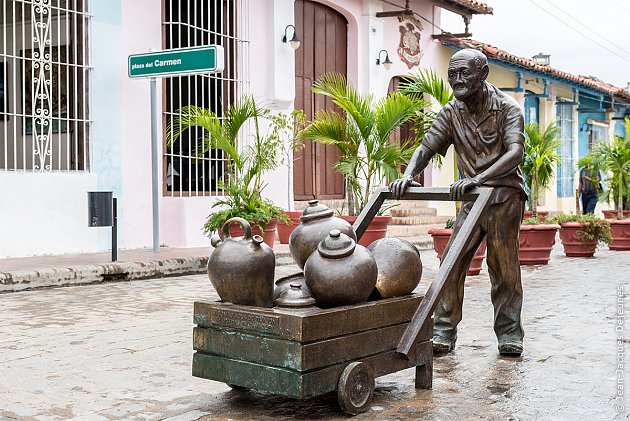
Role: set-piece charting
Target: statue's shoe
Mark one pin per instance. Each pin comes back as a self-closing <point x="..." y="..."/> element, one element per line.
<point x="443" y="345"/>
<point x="512" y="349"/>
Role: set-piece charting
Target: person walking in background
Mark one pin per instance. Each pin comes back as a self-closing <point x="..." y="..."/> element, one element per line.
<point x="589" y="189"/>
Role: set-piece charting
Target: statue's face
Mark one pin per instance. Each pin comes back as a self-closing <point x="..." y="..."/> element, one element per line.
<point x="466" y="76"/>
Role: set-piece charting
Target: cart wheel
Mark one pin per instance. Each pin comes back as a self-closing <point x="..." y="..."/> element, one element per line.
<point x="355" y="388"/>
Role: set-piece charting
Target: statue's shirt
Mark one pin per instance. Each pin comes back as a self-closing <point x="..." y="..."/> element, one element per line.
<point x="481" y="140"/>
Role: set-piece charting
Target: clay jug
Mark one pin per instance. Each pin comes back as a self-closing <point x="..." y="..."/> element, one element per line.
<point x="317" y="221"/>
<point x="399" y="266"/>
<point x="241" y="269"/>
<point x="340" y="272"/>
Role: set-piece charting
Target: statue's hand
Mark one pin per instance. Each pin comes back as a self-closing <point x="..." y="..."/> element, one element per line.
<point x="399" y="186"/>
<point x="459" y="187"/>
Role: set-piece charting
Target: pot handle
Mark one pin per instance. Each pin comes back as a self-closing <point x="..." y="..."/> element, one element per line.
<point x="225" y="230"/>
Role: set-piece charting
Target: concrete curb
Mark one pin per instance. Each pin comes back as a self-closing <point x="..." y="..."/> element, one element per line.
<point x="24" y="280"/>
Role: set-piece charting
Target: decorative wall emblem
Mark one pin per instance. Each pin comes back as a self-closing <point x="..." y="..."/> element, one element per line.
<point x="409" y="47"/>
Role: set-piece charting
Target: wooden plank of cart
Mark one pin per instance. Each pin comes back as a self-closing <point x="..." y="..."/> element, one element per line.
<point x="302" y="353"/>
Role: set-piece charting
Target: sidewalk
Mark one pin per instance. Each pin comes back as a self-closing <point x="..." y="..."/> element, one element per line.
<point x="23" y="273"/>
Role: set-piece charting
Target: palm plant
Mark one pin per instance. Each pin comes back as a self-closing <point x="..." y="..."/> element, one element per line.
<point x="416" y="86"/>
<point x="540" y="160"/>
<point x="362" y="135"/>
<point x="245" y="164"/>
<point x="614" y="159"/>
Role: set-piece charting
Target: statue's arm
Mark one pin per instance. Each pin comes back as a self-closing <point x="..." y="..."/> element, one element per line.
<point x="437" y="140"/>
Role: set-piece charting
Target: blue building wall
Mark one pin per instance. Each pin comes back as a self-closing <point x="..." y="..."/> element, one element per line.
<point x="587" y="104"/>
<point x="106" y="96"/>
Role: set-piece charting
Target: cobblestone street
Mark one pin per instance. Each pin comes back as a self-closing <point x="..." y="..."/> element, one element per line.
<point x="124" y="350"/>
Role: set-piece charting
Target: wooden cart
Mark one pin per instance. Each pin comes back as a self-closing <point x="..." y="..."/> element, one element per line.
<point x="303" y="353"/>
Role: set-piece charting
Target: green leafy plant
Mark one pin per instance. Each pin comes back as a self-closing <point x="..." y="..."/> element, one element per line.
<point x="534" y="220"/>
<point x="418" y="85"/>
<point x="591" y="226"/>
<point x="540" y="160"/>
<point x="362" y="135"/>
<point x="245" y="163"/>
<point x="449" y="224"/>
<point x="613" y="159"/>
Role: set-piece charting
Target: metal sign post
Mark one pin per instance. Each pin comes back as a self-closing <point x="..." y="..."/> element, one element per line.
<point x="176" y="62"/>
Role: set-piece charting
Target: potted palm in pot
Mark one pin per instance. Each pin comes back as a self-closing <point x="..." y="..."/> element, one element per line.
<point x="245" y="164"/>
<point x="536" y="239"/>
<point x="362" y="136"/>
<point x="614" y="160"/>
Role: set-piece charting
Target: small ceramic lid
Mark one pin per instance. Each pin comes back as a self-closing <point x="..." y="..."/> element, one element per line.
<point x="295" y="297"/>
<point x="315" y="210"/>
<point x="336" y="245"/>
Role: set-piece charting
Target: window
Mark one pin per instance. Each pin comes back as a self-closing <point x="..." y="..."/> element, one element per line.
<point x="599" y="133"/>
<point x="44" y="90"/>
<point x="566" y="165"/>
<point x="189" y="23"/>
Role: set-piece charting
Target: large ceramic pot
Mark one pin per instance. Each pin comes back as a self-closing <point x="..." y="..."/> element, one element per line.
<point x="620" y="234"/>
<point x="285" y="230"/>
<point x="375" y="231"/>
<point x="536" y="243"/>
<point x="573" y="246"/>
<point x="317" y="222"/>
<point x="440" y="240"/>
<point x="340" y="272"/>
<point x="542" y="215"/>
<point x="399" y="266"/>
<point x="612" y="214"/>
<point x="241" y="269"/>
<point x="268" y="234"/>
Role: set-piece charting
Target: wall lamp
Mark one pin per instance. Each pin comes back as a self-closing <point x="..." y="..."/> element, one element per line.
<point x="295" y="41"/>
<point x="387" y="64"/>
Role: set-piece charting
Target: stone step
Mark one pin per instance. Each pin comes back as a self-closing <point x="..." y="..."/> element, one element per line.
<point x="410" y="230"/>
<point x="400" y="212"/>
<point x="409" y="204"/>
<point x="421" y="220"/>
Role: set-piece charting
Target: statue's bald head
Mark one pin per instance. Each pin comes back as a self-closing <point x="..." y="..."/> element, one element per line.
<point x="469" y="54"/>
<point x="467" y="72"/>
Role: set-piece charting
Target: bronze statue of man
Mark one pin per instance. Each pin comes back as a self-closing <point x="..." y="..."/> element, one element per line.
<point x="486" y="128"/>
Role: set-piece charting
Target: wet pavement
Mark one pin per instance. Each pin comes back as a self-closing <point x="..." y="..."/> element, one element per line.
<point x="124" y="350"/>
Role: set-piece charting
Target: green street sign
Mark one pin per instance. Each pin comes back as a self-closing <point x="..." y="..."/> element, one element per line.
<point x="177" y="62"/>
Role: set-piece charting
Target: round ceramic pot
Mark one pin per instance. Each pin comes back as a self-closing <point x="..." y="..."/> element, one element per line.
<point x="612" y="214"/>
<point x="536" y="243"/>
<point x="241" y="269"/>
<point x="440" y="240"/>
<point x="542" y="215"/>
<point x="620" y="234"/>
<point x="340" y="272"/>
<point x="285" y="230"/>
<point x="268" y="234"/>
<point x="317" y="221"/>
<point x="399" y="266"/>
<point x="573" y="246"/>
<point x="375" y="231"/>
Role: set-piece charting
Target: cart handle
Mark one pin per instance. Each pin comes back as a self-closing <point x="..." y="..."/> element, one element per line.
<point x="481" y="198"/>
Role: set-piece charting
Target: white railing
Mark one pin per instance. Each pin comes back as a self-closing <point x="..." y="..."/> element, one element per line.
<point x="44" y="85"/>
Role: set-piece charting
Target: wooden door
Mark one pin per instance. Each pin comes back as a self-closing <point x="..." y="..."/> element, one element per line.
<point x="323" y="32"/>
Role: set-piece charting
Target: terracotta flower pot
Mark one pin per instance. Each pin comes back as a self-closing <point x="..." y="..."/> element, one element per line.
<point x="440" y="240"/>
<point x="269" y="235"/>
<point x="536" y="242"/>
<point x="620" y="234"/>
<point x="285" y="230"/>
<point x="542" y="215"/>
<point x="375" y="231"/>
<point x="612" y="214"/>
<point x="573" y="246"/>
